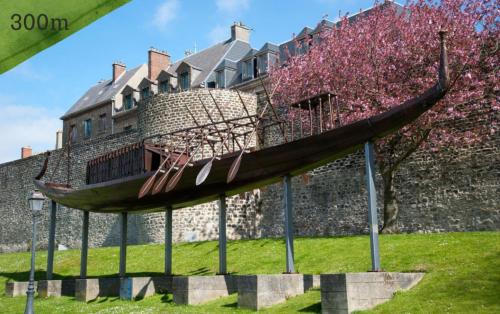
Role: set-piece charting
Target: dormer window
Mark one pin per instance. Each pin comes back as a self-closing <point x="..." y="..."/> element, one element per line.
<point x="129" y="101"/>
<point x="248" y="69"/>
<point x="263" y="63"/>
<point x="145" y="93"/>
<point x="184" y="81"/>
<point x="220" y="79"/>
<point x="164" y="86"/>
<point x="272" y="60"/>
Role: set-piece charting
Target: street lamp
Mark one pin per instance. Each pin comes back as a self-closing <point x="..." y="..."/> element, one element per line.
<point x="35" y="202"/>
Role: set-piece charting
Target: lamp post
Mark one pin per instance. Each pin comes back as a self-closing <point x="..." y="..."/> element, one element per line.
<point x="35" y="202"/>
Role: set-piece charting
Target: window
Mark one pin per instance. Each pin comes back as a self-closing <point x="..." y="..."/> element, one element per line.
<point x="73" y="133"/>
<point x="211" y="84"/>
<point x="220" y="79"/>
<point x="102" y="122"/>
<point x="247" y="69"/>
<point x="129" y="101"/>
<point x="145" y="92"/>
<point x="164" y="86"/>
<point x="87" y="128"/>
<point x="273" y="59"/>
<point x="263" y="63"/>
<point x="255" y="68"/>
<point x="184" y="81"/>
<point x="127" y="128"/>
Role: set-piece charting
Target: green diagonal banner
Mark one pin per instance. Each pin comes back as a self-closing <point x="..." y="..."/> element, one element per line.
<point x="29" y="26"/>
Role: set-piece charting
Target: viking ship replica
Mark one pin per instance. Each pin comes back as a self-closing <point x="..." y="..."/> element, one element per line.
<point x="201" y="163"/>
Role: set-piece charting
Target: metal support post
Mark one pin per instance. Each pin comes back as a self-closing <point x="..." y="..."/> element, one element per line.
<point x="372" y="205"/>
<point x="85" y="245"/>
<point x="168" y="241"/>
<point x="123" y="244"/>
<point x="222" y="235"/>
<point x="287" y="196"/>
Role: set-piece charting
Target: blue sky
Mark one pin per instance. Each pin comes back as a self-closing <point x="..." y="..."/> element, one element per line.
<point x="37" y="92"/>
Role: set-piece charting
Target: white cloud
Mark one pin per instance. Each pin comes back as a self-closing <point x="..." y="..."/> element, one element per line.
<point x="24" y="125"/>
<point x="166" y="13"/>
<point x="218" y="34"/>
<point x="232" y="6"/>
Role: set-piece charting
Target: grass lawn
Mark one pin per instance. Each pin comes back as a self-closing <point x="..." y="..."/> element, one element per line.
<point x="463" y="272"/>
<point x="22" y="43"/>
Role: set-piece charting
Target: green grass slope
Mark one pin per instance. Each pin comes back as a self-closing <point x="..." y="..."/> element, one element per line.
<point x="19" y="45"/>
<point x="463" y="272"/>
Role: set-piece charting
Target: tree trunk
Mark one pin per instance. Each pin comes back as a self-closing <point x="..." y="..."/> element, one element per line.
<point x="391" y="208"/>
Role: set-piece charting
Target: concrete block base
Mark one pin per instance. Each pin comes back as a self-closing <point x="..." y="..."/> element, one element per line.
<point x="200" y="289"/>
<point x="17" y="288"/>
<point x="90" y="289"/>
<point x="260" y="291"/>
<point x="345" y="293"/>
<point x="311" y="281"/>
<point x="56" y="288"/>
<point x="141" y="287"/>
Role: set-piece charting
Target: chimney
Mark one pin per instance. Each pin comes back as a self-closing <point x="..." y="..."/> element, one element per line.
<point x="157" y="60"/>
<point x="240" y="32"/>
<point x="59" y="140"/>
<point x="26" y="152"/>
<point x="118" y="69"/>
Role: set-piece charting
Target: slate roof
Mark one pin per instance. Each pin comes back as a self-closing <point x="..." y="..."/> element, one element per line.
<point x="269" y="47"/>
<point x="324" y="24"/>
<point x="101" y="93"/>
<point x="250" y="54"/>
<point x="227" y="64"/>
<point x="208" y="59"/>
<point x="290" y="45"/>
<point x="305" y="31"/>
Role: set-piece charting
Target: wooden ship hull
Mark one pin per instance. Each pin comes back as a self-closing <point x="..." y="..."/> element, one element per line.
<point x="258" y="168"/>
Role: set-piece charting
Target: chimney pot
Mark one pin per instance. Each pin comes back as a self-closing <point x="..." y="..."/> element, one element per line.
<point x="157" y="60"/>
<point x="118" y="69"/>
<point x="26" y="152"/>
<point x="241" y="32"/>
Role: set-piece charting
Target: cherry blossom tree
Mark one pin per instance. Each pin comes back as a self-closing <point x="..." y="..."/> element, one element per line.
<point x="388" y="55"/>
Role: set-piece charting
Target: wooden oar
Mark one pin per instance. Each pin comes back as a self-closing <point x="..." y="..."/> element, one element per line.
<point x="212" y="120"/>
<point x="149" y="182"/>
<point x="205" y="171"/>
<point x="235" y="166"/>
<point x="222" y="116"/>
<point x="274" y="110"/>
<point x="177" y="176"/>
<point x="161" y="183"/>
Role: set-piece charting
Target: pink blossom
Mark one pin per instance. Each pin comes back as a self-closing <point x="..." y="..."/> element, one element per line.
<point x="379" y="61"/>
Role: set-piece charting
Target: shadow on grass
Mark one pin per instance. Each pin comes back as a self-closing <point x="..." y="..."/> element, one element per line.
<point x="42" y="275"/>
<point x="200" y="271"/>
<point x="314" y="308"/>
<point x="167" y="298"/>
<point x="24" y="275"/>
<point x="231" y="305"/>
